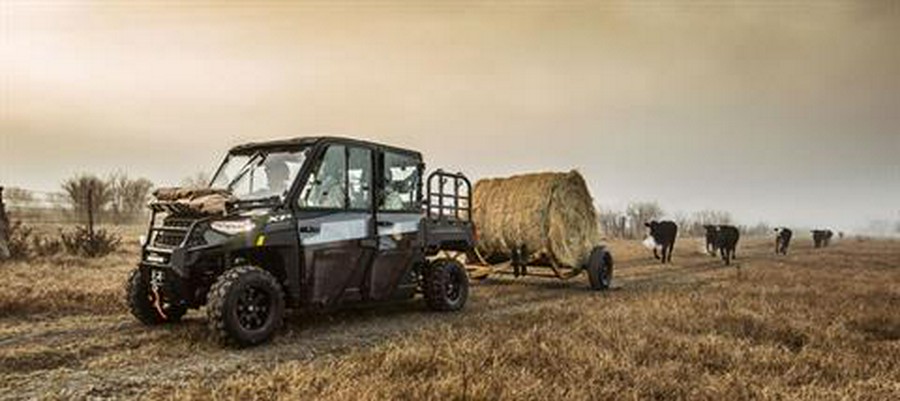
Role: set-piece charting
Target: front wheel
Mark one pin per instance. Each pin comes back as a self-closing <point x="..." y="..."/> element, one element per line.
<point x="600" y="269"/>
<point x="245" y="307"/>
<point x="446" y="285"/>
<point x="147" y="305"/>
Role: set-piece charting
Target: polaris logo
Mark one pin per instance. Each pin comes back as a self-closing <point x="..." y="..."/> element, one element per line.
<point x="279" y="218"/>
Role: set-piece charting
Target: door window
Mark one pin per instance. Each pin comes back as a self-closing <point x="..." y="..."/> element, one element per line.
<point x="326" y="187"/>
<point x="359" y="173"/>
<point x="401" y="183"/>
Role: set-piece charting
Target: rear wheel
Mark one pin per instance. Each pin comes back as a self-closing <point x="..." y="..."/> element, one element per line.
<point x="246" y="306"/>
<point x="600" y="269"/>
<point x="147" y="306"/>
<point x="446" y="285"/>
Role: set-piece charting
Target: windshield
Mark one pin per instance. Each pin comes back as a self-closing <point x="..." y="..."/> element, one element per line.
<point x="260" y="175"/>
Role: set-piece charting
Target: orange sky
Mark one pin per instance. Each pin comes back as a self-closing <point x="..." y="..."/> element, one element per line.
<point x="780" y="111"/>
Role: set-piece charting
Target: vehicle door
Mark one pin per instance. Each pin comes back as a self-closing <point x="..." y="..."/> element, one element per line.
<point x="336" y="224"/>
<point x="398" y="220"/>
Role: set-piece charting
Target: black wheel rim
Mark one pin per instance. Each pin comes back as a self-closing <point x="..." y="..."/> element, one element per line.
<point x="604" y="275"/>
<point x="253" y="307"/>
<point x="454" y="285"/>
<point x="604" y="271"/>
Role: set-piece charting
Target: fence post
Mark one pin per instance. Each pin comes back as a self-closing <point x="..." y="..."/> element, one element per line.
<point x="4" y="229"/>
<point x="90" y="210"/>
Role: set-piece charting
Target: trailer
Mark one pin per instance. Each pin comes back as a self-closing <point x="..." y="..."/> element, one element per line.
<point x="449" y="205"/>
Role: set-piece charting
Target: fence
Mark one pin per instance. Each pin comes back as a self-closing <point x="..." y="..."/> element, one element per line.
<point x="48" y="208"/>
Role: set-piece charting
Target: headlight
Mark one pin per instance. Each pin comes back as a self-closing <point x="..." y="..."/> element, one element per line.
<point x="232" y="227"/>
<point x="156" y="258"/>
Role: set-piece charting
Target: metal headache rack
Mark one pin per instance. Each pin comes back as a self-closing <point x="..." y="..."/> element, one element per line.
<point x="448" y="212"/>
<point x="449" y="198"/>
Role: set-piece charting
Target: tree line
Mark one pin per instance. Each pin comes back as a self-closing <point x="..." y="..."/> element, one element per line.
<point x="116" y="199"/>
<point x="629" y="223"/>
<point x="87" y="198"/>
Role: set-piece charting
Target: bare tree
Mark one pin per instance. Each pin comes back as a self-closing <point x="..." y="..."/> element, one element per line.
<point x="760" y="229"/>
<point x="612" y="222"/>
<point x="198" y="180"/>
<point x="641" y="212"/>
<point x="708" y="217"/>
<point x="18" y="196"/>
<point x="127" y="196"/>
<point x="684" y="223"/>
<point x="88" y="194"/>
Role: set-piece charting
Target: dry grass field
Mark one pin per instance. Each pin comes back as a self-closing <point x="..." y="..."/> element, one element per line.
<point x="814" y="325"/>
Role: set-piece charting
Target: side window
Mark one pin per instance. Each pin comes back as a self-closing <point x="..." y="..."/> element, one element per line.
<point x="401" y="182"/>
<point x="359" y="171"/>
<point x="326" y="187"/>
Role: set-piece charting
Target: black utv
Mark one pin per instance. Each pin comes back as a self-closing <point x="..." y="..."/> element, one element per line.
<point x="303" y="223"/>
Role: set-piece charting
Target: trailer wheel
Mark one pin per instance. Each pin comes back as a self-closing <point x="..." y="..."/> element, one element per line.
<point x="446" y="285"/>
<point x="142" y="304"/>
<point x="246" y="306"/>
<point x="600" y="269"/>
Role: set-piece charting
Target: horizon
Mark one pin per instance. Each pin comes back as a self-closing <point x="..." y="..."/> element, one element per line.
<point x="778" y="113"/>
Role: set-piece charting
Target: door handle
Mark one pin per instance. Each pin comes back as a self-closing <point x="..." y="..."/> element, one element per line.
<point x="385" y="224"/>
<point x="310" y="229"/>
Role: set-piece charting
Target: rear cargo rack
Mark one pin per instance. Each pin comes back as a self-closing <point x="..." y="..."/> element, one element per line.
<point x="449" y="198"/>
<point x="448" y="213"/>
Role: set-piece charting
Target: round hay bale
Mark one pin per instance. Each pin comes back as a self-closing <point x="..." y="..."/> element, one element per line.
<point x="551" y="214"/>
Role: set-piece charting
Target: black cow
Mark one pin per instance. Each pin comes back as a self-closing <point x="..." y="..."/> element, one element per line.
<point x="712" y="232"/>
<point x="726" y="240"/>
<point x="782" y="240"/>
<point x="663" y="234"/>
<point x="821" y="238"/>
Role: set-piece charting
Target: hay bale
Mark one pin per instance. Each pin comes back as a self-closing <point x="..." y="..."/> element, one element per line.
<point x="171" y="194"/>
<point x="551" y="214"/>
<point x="204" y="201"/>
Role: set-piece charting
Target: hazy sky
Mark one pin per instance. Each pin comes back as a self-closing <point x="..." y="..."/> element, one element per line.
<point x="786" y="112"/>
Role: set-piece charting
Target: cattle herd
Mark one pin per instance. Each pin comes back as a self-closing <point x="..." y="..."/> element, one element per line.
<point x="721" y="239"/>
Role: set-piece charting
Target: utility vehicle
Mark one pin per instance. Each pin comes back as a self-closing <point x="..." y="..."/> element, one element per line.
<point x="312" y="222"/>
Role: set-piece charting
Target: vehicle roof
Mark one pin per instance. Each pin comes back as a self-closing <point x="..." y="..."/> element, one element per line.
<point x="314" y="140"/>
